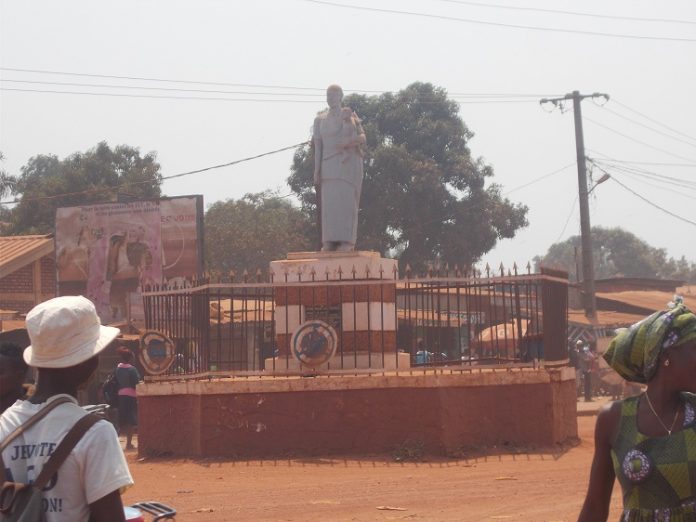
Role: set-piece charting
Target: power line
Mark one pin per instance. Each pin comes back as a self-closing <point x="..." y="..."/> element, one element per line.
<point x="632" y="162"/>
<point x="642" y="178"/>
<point x="653" y="129"/>
<point x="652" y="119"/>
<point x="642" y="171"/>
<point x="254" y="100"/>
<point x="653" y="176"/>
<point x="321" y="90"/>
<point x="155" y="96"/>
<point x="574" y="13"/>
<point x="570" y="215"/>
<point x="163" y="178"/>
<point x="669" y="212"/>
<point x="168" y="89"/>
<point x="209" y="91"/>
<point x="166" y="80"/>
<point x="640" y="142"/>
<point x="536" y="180"/>
<point x="499" y="24"/>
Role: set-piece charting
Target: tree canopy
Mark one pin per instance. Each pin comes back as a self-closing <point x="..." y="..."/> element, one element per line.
<point x="7" y="182"/>
<point x="249" y="233"/>
<point x="617" y="252"/>
<point x="98" y="175"/>
<point x="424" y="196"/>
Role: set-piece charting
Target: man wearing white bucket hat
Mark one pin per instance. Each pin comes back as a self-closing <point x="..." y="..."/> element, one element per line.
<point x="66" y="337"/>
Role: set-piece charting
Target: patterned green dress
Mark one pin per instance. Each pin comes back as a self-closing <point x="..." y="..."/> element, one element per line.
<point x="657" y="474"/>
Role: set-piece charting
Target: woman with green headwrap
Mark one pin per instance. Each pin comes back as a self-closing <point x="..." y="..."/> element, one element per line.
<point x="648" y="442"/>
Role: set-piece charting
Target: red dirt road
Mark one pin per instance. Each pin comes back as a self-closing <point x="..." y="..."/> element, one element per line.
<point x="522" y="487"/>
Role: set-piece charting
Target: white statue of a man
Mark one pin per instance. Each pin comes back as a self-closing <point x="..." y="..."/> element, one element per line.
<point x="338" y="171"/>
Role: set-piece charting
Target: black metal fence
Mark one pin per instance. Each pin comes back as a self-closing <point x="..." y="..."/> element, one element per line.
<point x="442" y="319"/>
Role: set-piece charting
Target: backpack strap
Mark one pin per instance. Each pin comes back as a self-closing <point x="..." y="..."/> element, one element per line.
<point x="64" y="448"/>
<point x="24" y="427"/>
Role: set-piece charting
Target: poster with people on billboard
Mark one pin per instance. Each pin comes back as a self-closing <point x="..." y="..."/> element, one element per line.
<point x="109" y="252"/>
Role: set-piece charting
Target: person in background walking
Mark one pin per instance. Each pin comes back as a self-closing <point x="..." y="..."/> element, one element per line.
<point x="585" y="362"/>
<point x="127" y="377"/>
<point x="648" y="442"/>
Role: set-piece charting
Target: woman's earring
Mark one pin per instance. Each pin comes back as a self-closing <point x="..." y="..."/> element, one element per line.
<point x="666" y="362"/>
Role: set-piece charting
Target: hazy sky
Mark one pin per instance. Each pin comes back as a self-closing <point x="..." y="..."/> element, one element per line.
<point x="280" y="46"/>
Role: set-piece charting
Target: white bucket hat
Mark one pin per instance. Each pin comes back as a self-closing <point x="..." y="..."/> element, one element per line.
<point x="64" y="332"/>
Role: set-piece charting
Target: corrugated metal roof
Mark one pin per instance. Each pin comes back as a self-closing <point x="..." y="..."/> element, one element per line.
<point x="19" y="251"/>
<point x="651" y="300"/>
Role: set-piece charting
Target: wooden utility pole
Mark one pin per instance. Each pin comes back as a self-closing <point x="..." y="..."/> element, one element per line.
<point x="588" y="280"/>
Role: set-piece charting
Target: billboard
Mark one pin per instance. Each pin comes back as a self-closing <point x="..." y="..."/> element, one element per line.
<point x="108" y="252"/>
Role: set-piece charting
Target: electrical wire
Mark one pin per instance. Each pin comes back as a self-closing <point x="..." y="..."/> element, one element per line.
<point x="667" y="180"/>
<point x="574" y="13"/>
<point x="570" y="215"/>
<point x="653" y="129"/>
<point x="321" y="91"/>
<point x="642" y="178"/>
<point x="155" y="96"/>
<point x="499" y="24"/>
<point x="645" y="172"/>
<point x="160" y="180"/>
<point x="540" y="178"/>
<point x="255" y="100"/>
<point x="632" y="162"/>
<point x="639" y="141"/>
<point x="634" y="111"/>
<point x="647" y="200"/>
<point x="167" y="89"/>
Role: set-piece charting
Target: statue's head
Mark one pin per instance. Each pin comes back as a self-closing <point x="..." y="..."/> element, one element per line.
<point x="334" y="96"/>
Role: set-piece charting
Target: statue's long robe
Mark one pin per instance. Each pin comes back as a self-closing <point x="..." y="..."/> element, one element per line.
<point x="341" y="179"/>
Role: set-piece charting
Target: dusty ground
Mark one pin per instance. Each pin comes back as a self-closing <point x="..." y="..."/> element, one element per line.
<point x="530" y="487"/>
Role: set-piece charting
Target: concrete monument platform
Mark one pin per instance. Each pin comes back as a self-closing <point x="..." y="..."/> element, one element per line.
<point x="354" y="292"/>
<point x="333" y="266"/>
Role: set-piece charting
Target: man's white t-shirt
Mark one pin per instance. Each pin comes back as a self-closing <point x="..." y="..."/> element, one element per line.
<point x="94" y="468"/>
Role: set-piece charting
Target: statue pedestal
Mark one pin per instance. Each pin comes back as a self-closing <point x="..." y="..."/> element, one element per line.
<point x="353" y="292"/>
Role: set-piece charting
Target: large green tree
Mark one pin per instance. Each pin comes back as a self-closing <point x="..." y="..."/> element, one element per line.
<point x="249" y="233"/>
<point x="617" y="252"/>
<point x="424" y="197"/>
<point x="7" y="182"/>
<point x="98" y="175"/>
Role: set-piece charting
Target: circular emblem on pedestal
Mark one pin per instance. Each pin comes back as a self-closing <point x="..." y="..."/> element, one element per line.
<point x="156" y="352"/>
<point x="314" y="343"/>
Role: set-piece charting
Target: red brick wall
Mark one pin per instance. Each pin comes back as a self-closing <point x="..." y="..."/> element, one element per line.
<point x="48" y="275"/>
<point x="445" y="419"/>
<point x="22" y="282"/>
